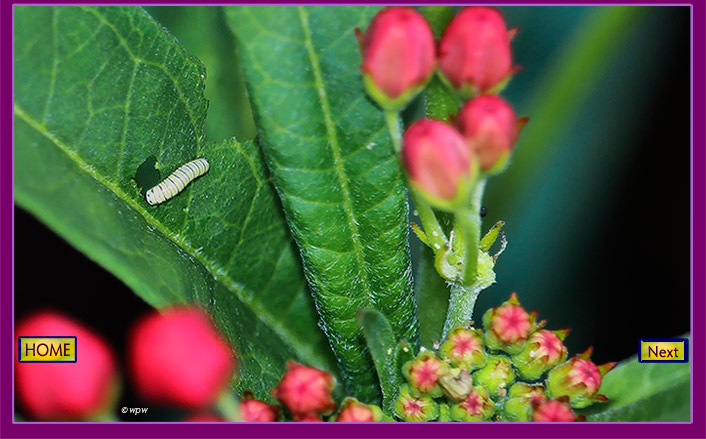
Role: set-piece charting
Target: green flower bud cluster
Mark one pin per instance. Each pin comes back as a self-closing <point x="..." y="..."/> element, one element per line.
<point x="512" y="370"/>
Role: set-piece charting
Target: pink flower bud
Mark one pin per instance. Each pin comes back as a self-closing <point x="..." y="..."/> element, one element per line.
<point x="476" y="407"/>
<point x="398" y="54"/>
<point x="204" y="417"/>
<point x="253" y="410"/>
<point x="522" y="398"/>
<point x="437" y="161"/>
<point x="423" y="373"/>
<point x="411" y="408"/>
<point x="508" y="326"/>
<point x="354" y="411"/>
<point x="496" y="376"/>
<point x="307" y="417"/>
<point x="553" y="411"/>
<point x="66" y="391"/>
<point x="579" y="379"/>
<point x="177" y="357"/>
<point x="305" y="390"/>
<point x="543" y="350"/>
<point x="474" y="52"/>
<point x="463" y="348"/>
<point x="490" y="127"/>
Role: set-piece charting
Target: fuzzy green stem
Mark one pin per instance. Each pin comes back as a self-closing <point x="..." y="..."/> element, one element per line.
<point x="392" y="119"/>
<point x="228" y="406"/>
<point x="467" y="234"/>
<point x="464" y="294"/>
<point x="462" y="301"/>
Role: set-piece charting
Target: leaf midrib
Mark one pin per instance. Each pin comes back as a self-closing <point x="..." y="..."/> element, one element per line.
<point x="337" y="156"/>
<point x="302" y="349"/>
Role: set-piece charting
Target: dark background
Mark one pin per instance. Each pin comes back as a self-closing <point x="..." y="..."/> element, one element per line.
<point x="598" y="231"/>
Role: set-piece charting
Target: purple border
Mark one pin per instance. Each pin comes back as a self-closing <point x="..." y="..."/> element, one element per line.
<point x="697" y="428"/>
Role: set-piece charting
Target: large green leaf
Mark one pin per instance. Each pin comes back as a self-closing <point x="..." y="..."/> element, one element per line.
<point x="645" y="392"/>
<point x="98" y="91"/>
<point x="335" y="170"/>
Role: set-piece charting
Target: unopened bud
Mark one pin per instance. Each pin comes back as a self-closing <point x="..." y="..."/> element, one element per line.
<point x="177" y="357"/>
<point x="496" y="376"/>
<point x="411" y="408"/>
<point x="476" y="407"/>
<point x="306" y="417"/>
<point x="398" y="56"/>
<point x="522" y="398"/>
<point x="490" y="127"/>
<point x="354" y="411"/>
<point x="579" y="379"/>
<point x="474" y="52"/>
<point x="553" y="411"/>
<point x="305" y="390"/>
<point x="79" y="391"/>
<point x="253" y="410"/>
<point x="508" y="326"/>
<point x="544" y="350"/>
<point x="463" y="348"/>
<point x="439" y="163"/>
<point x="423" y="373"/>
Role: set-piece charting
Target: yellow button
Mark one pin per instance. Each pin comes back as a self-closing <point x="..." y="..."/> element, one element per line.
<point x="664" y="350"/>
<point x="47" y="349"/>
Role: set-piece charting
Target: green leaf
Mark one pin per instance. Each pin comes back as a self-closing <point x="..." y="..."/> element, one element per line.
<point x="203" y="31"/>
<point x="383" y="347"/>
<point x="644" y="392"/>
<point x="99" y="91"/>
<point x="432" y="294"/>
<point x="334" y="168"/>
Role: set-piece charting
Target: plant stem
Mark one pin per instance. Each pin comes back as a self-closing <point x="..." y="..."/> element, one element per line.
<point x="461" y="304"/>
<point x="227" y="405"/>
<point x="463" y="296"/>
<point x="392" y="119"/>
<point x="467" y="234"/>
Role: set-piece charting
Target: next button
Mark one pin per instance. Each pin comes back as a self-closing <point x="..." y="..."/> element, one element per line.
<point x="663" y="350"/>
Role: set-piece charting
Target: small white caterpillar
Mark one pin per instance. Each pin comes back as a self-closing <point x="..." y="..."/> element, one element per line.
<point x="177" y="181"/>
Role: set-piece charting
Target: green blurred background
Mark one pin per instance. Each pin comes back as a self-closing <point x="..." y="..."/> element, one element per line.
<point x="596" y="200"/>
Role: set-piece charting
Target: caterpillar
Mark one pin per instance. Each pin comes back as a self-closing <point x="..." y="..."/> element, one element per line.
<point x="177" y="181"/>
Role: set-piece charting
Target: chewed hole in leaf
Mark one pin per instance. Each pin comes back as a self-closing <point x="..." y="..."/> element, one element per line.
<point x="147" y="175"/>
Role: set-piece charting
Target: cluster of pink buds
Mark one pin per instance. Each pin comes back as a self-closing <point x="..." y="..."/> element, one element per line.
<point x="513" y="370"/>
<point x="305" y="393"/>
<point x="400" y="56"/>
<point x="474" y="59"/>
